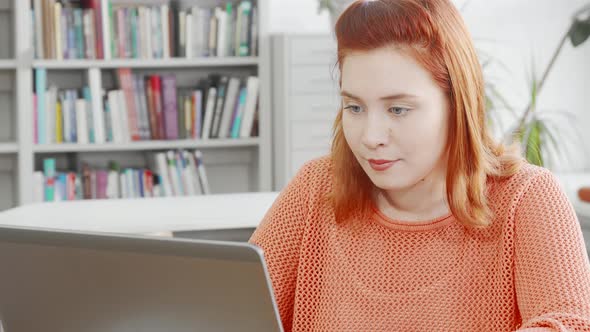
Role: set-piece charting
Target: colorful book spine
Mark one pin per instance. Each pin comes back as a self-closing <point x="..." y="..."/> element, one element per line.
<point x="126" y="83"/>
<point x="40" y="90"/>
<point x="49" y="173"/>
<point x="89" y="115"/>
<point x="197" y="114"/>
<point x="235" y="132"/>
<point x="169" y="101"/>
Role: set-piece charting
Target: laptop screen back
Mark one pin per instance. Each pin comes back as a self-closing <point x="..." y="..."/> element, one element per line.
<point x="52" y="281"/>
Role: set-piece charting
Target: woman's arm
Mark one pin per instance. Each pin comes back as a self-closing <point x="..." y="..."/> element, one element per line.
<point x="279" y="235"/>
<point x="552" y="271"/>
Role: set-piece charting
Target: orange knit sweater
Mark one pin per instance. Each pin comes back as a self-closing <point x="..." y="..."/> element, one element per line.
<point x="528" y="271"/>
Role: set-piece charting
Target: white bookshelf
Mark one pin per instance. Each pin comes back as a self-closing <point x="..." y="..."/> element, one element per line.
<point x="148" y="63"/>
<point x="233" y="165"/>
<point x="7" y="64"/>
<point x="148" y="145"/>
<point x="7" y="148"/>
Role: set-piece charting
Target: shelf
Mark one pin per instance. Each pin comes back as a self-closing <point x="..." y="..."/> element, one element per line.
<point x="147" y="145"/>
<point x="148" y="63"/>
<point x="7" y="64"/>
<point x="8" y="148"/>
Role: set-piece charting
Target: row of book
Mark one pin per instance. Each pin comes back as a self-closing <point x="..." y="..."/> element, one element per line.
<point x="148" y="107"/>
<point x="105" y="29"/>
<point x="176" y="173"/>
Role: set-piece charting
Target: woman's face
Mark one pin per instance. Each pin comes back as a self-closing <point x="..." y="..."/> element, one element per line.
<point x="395" y="117"/>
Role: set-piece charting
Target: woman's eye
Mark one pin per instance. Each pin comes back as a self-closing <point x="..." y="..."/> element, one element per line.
<point x="353" y="108"/>
<point x="399" y="111"/>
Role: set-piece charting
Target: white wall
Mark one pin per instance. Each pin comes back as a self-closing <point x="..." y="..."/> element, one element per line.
<point x="510" y="30"/>
<point x="297" y="16"/>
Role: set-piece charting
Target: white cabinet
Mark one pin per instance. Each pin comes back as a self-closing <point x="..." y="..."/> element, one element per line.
<point x="305" y="100"/>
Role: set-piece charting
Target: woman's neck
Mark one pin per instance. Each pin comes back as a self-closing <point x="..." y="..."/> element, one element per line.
<point x="423" y="201"/>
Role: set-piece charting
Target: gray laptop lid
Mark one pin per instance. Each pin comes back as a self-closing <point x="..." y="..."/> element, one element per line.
<point x="80" y="282"/>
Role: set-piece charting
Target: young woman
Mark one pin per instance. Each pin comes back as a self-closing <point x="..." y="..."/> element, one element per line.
<point x="418" y="220"/>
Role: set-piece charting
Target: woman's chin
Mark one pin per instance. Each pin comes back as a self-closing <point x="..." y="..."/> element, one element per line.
<point x="389" y="181"/>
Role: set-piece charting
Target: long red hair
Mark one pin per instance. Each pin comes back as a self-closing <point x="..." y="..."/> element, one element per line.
<point x="433" y="32"/>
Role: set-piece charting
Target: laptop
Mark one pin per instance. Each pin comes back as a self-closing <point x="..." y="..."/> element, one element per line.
<point x="53" y="280"/>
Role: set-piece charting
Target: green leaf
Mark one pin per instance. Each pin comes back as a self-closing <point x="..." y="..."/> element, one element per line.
<point x="534" y="85"/>
<point x="532" y="143"/>
<point x="580" y="31"/>
<point x="551" y="139"/>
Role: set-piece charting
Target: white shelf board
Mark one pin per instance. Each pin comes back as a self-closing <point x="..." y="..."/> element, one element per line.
<point x="8" y="148"/>
<point x="7" y="64"/>
<point x="147" y="145"/>
<point x="148" y="63"/>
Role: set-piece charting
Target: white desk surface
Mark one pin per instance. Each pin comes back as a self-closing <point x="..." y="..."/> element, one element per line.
<point x="146" y="215"/>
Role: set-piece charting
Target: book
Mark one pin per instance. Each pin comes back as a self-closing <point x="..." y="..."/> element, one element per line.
<point x="126" y="83"/>
<point x="113" y="102"/>
<point x="229" y="104"/>
<point x="89" y="34"/>
<point x="174" y="174"/>
<point x="221" y="83"/>
<point x="221" y="16"/>
<point x="247" y="124"/>
<point x="81" y="121"/>
<point x="89" y="114"/>
<point x="163" y="174"/>
<point x="108" y="29"/>
<point x="38" y="24"/>
<point x="143" y="111"/>
<point x="197" y="114"/>
<point x="95" y="83"/>
<point x="166" y="31"/>
<point x="241" y="106"/>
<point x="58" y="31"/>
<point x="108" y="121"/>
<point x="193" y="174"/>
<point x="113" y="185"/>
<point x="126" y="129"/>
<point x="198" y="155"/>
<point x="156" y="84"/>
<point x="149" y="91"/>
<point x="169" y="104"/>
<point x="51" y="103"/>
<point x="209" y="112"/>
<point x="58" y="123"/>
<point x="49" y="173"/>
<point x="40" y="91"/>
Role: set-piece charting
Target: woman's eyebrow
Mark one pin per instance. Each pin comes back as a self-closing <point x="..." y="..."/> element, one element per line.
<point x="390" y="97"/>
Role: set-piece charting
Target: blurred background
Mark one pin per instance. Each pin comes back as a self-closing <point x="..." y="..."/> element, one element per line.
<point x="159" y="105"/>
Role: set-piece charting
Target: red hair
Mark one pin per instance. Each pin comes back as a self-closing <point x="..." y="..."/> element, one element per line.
<point x="433" y="33"/>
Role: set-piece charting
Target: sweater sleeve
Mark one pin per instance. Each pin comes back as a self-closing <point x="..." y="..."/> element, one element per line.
<point x="279" y="236"/>
<point x="552" y="271"/>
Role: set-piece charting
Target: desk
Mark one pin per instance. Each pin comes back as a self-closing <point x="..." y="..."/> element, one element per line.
<point x="237" y="214"/>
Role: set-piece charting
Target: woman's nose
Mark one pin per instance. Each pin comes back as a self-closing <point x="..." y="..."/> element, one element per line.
<point x="376" y="131"/>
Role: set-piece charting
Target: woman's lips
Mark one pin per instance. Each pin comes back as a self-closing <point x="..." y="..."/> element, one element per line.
<point x="381" y="164"/>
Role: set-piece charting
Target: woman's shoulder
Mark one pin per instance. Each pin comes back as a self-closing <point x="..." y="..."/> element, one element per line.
<point x="526" y="175"/>
<point x="316" y="174"/>
<point x="528" y="178"/>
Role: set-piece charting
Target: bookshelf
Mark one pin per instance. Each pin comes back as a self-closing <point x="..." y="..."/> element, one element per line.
<point x="9" y="156"/>
<point x="8" y="148"/>
<point x="233" y="165"/>
<point x="147" y="63"/>
<point x="7" y="64"/>
<point x="147" y="145"/>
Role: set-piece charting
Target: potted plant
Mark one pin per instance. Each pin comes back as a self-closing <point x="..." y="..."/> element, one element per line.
<point x="537" y="131"/>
